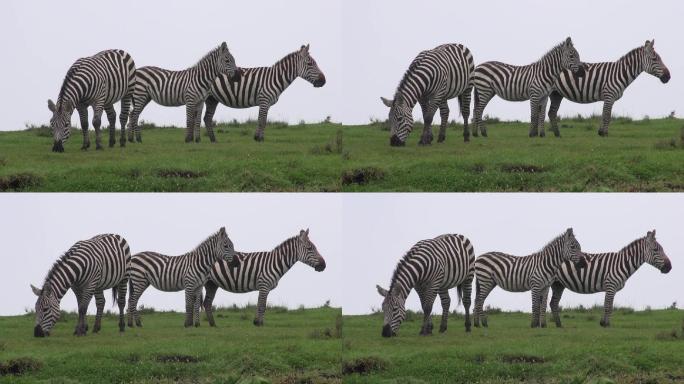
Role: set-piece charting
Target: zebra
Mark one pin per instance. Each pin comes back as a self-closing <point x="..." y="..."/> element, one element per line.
<point x="261" y="271"/>
<point x="608" y="272"/>
<point x="96" y="81"/>
<point x="89" y="267"/>
<point x="534" y="272"/>
<point x="532" y="82"/>
<point x="606" y="82"/>
<point x="262" y="86"/>
<point x="189" y="87"/>
<point x="431" y="267"/>
<point x="434" y="77"/>
<point x="188" y="272"/>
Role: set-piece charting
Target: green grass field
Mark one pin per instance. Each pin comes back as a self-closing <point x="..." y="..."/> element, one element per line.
<point x="641" y="347"/>
<point x="645" y="155"/>
<point x="295" y="346"/>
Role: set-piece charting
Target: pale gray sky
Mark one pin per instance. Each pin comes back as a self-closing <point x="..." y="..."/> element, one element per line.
<point x="363" y="46"/>
<point x="38" y="228"/>
<point x="379" y="229"/>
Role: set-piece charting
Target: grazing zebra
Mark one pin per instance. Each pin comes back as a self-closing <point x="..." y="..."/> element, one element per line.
<point x="432" y="267"/>
<point x="189" y="87"/>
<point x="97" y="81"/>
<point x="262" y="86"/>
<point x="606" y="82"/>
<point x="188" y="272"/>
<point x="434" y="77"/>
<point x="89" y="267"/>
<point x="534" y="272"/>
<point x="608" y="272"/>
<point x="261" y="271"/>
<point x="532" y="82"/>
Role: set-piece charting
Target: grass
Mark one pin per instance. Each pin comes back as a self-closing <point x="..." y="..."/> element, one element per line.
<point x="644" y="155"/>
<point x="282" y="351"/>
<point x="640" y="347"/>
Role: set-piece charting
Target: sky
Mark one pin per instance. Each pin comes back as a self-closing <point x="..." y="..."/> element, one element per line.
<point x="363" y="47"/>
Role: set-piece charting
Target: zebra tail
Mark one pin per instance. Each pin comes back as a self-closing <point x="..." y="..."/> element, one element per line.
<point x="115" y="294"/>
<point x="459" y="294"/>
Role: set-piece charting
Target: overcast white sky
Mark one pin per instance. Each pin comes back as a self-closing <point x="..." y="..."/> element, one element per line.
<point x="363" y="46"/>
<point x="379" y="230"/>
<point x="38" y="228"/>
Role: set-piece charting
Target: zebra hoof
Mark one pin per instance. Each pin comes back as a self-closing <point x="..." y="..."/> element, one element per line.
<point x="258" y="323"/>
<point x="441" y="138"/>
<point x="99" y="148"/>
<point x="542" y="134"/>
<point x="442" y="329"/>
<point x="258" y="138"/>
<point x="602" y="133"/>
<point x="188" y="139"/>
<point x="197" y="140"/>
<point x="112" y="144"/>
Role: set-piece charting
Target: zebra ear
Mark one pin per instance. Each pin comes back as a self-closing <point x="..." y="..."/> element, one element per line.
<point x="222" y="230"/>
<point x="36" y="291"/>
<point x="568" y="41"/>
<point x="382" y="291"/>
<point x="387" y="102"/>
<point x="651" y="234"/>
<point x="51" y="105"/>
<point x="569" y="232"/>
<point x="224" y="46"/>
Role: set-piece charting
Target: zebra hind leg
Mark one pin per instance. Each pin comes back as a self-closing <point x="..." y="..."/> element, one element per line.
<point x="556" y="99"/>
<point x="557" y="292"/>
<point x="211" y="104"/>
<point x="121" y="302"/>
<point x="465" y="292"/>
<point x="209" y="294"/>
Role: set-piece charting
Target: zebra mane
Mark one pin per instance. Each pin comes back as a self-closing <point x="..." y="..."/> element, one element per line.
<point x="69" y="75"/>
<point x="402" y="262"/>
<point x="555" y="239"/>
<point x="414" y="64"/>
<point x="631" y="53"/>
<point x="205" y="241"/>
<point x="552" y="50"/>
<point x="632" y="244"/>
<point x="284" y="242"/>
<point x="207" y="56"/>
<point x="60" y="261"/>
<point x="285" y="59"/>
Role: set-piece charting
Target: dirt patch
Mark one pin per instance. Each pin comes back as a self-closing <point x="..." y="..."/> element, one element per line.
<point x="522" y="359"/>
<point x="362" y="176"/>
<point x="181" y="173"/>
<point x="364" y="365"/>
<point x="522" y="168"/>
<point x="19" y="181"/>
<point x="19" y="366"/>
<point x="176" y="358"/>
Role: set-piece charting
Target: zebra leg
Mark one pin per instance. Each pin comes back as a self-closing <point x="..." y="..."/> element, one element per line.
<point x="196" y="308"/>
<point x="557" y="289"/>
<point x="198" y="121"/>
<point x="446" y="303"/>
<point x="137" y="288"/>
<point x="444" y="116"/>
<point x="190" y="296"/>
<point x="427" y="299"/>
<point x="607" y="110"/>
<point x="482" y="98"/>
<point x="97" y="121"/>
<point x="607" y="308"/>
<point x="542" y="116"/>
<point x="464" y="104"/>
<point x="263" y="115"/>
<point x="99" y="304"/>
<point x="121" y="301"/>
<point x="534" y="116"/>
<point x="111" y="117"/>
<point x="556" y="99"/>
<point x="83" y="116"/>
<point x="211" y="104"/>
<point x="536" y="303"/>
<point x="83" y="301"/>
<point x="261" y="307"/>
<point x="190" y="110"/>
<point x="123" y="119"/>
<point x="542" y="307"/>
<point x="139" y="103"/>
<point x="428" y="115"/>
<point x="483" y="290"/>
<point x="209" y="293"/>
<point x="466" y="292"/>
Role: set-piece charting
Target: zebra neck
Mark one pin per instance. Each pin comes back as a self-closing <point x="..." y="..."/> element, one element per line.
<point x="286" y="254"/>
<point x="633" y="256"/>
<point x="285" y="71"/>
<point x="205" y="71"/>
<point x="551" y="62"/>
<point x="61" y="278"/>
<point x="403" y="280"/>
<point x="631" y="65"/>
<point x="552" y="252"/>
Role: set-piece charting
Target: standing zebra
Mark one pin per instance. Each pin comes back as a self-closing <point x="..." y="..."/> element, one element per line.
<point x="606" y="82"/>
<point x="432" y="267"/>
<point x="97" y="81"/>
<point x="434" y="77"/>
<point x="262" y="86"/>
<point x="189" y="87"/>
<point x="89" y="267"/>
<point x="534" y="272"/>
<point x="608" y="272"/>
<point x="188" y="272"/>
<point x="261" y="271"/>
<point x="532" y="82"/>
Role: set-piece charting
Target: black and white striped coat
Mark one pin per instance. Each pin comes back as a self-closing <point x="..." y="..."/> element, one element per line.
<point x="606" y="82"/>
<point x="261" y="87"/>
<point x="96" y="81"/>
<point x="533" y="272"/>
<point x="189" y="87"/>
<point x="434" y="77"/>
<point x="89" y="267"/>
<point x="532" y="82"/>
<point x="431" y="267"/>
<point x="261" y="271"/>
<point x="608" y="272"/>
<point x="188" y="272"/>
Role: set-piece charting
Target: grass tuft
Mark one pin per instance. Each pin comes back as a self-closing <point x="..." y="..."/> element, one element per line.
<point x="19" y="181"/>
<point x="176" y="358"/>
<point x="364" y="365"/>
<point x="20" y="366"/>
<point x="362" y="176"/>
<point x="522" y="359"/>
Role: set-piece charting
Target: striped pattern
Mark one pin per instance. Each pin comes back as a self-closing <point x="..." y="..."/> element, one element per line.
<point x="532" y="82"/>
<point x="608" y="272"/>
<point x="188" y="272"/>
<point x="89" y="267"/>
<point x="261" y="271"/>
<point x="434" y="77"/>
<point x="261" y="87"/>
<point x="189" y="87"/>
<point x="97" y="81"/>
<point x="534" y="272"/>
<point x="606" y="82"/>
<point x="431" y="267"/>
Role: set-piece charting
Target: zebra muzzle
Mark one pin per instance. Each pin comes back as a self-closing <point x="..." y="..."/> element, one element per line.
<point x="667" y="267"/>
<point x="396" y="142"/>
<point x="387" y="331"/>
<point x="319" y="82"/>
<point x="38" y="331"/>
<point x="665" y="76"/>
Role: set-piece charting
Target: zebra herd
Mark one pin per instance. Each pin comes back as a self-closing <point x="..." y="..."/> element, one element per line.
<point x="448" y="71"/>
<point x="434" y="266"/>
<point x="101" y="80"/>
<point x="92" y="266"/>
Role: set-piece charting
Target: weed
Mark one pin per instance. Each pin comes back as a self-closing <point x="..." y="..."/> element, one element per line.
<point x="362" y="176"/>
<point x="521" y="168"/>
<point x="364" y="365"/>
<point x="181" y="173"/>
<point x="20" y="366"/>
<point x="19" y="181"/>
<point x="176" y="358"/>
<point x="522" y="359"/>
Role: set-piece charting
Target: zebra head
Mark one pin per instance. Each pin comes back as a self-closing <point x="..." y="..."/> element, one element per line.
<point x="60" y="122"/>
<point x="400" y="120"/>
<point x="570" y="58"/>
<point x="225" y="63"/>
<point x="226" y="250"/>
<point x="653" y="64"/>
<point x="308" y="69"/>
<point x="307" y="252"/>
<point x="393" y="308"/>
<point x="572" y="251"/>
<point x="47" y="310"/>
<point x="655" y="255"/>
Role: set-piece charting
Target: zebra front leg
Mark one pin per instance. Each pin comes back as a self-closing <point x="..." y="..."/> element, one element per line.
<point x="209" y="292"/>
<point x="428" y="115"/>
<point x="197" y="305"/>
<point x="557" y="292"/>
<point x="556" y="99"/>
<point x="190" y="110"/>
<point x="83" y="301"/>
<point x="464" y="104"/>
<point x="263" y="115"/>
<point x="536" y="303"/>
<point x="427" y="299"/>
<point x="99" y="304"/>
<point x="542" y="116"/>
<point x="83" y="116"/>
<point x="111" y="117"/>
<point x="123" y="119"/>
<point x="605" y="121"/>
<point x="444" y="116"/>
<point x="261" y="307"/>
<point x="446" y="303"/>
<point x="211" y="104"/>
<point x="190" y="298"/>
<point x="607" y="308"/>
<point x="466" y="291"/>
<point x="542" y="307"/>
<point x="534" y="116"/>
<point x="198" y="121"/>
<point x="97" y="121"/>
<point x="121" y="301"/>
